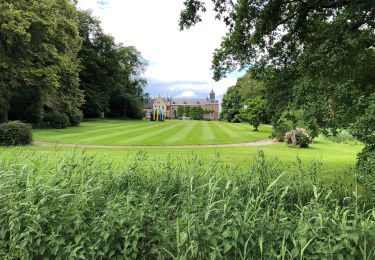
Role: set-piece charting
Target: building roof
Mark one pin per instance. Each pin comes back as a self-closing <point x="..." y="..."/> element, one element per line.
<point x="148" y="104"/>
<point x="191" y="101"/>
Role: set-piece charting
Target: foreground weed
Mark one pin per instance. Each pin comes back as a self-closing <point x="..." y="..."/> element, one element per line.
<point x="80" y="206"/>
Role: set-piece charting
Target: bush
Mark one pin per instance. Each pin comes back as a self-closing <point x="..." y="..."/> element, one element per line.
<point x="366" y="167"/>
<point x="298" y="138"/>
<point x="15" y="133"/>
<point x="76" y="118"/>
<point x="342" y="136"/>
<point x="281" y="128"/>
<point x="56" y="120"/>
<point x="292" y="118"/>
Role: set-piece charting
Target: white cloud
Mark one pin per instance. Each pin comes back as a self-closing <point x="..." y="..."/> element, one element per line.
<point x="188" y="93"/>
<point x="174" y="56"/>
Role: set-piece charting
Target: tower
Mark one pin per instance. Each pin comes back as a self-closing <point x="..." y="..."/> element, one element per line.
<point x="212" y="95"/>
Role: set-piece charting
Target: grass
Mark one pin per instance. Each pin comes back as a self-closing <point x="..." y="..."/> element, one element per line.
<point x="183" y="208"/>
<point x="336" y="157"/>
<point x="119" y="132"/>
<point x="269" y="202"/>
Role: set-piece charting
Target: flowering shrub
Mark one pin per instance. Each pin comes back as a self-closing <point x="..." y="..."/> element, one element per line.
<point x="298" y="138"/>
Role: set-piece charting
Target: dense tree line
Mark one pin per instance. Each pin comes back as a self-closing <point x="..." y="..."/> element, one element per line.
<point x="195" y="112"/>
<point x="316" y="58"/>
<point x="56" y="61"/>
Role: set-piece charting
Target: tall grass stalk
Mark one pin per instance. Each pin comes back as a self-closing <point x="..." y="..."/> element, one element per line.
<point x="82" y="206"/>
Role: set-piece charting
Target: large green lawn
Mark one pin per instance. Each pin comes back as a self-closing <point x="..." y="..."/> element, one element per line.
<point x="119" y="132"/>
<point x="336" y="157"/>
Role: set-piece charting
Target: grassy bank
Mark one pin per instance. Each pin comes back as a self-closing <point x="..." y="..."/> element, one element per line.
<point x="84" y="206"/>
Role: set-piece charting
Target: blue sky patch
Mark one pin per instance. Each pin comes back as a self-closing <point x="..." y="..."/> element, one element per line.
<point x="103" y="4"/>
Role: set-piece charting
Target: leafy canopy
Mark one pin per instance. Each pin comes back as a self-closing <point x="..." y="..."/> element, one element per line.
<point x="39" y="42"/>
<point x="111" y="73"/>
<point x="318" y="56"/>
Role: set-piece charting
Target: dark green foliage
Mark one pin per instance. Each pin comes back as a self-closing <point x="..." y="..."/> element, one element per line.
<point x="315" y="55"/>
<point x="84" y="207"/>
<point x="366" y="167"/>
<point x="4" y="106"/>
<point x="292" y="118"/>
<point x="39" y="43"/>
<point x="248" y="92"/>
<point x="75" y="118"/>
<point x="187" y="111"/>
<point x="249" y="87"/>
<point x="364" y="130"/>
<point x="197" y="113"/>
<point x="56" y="119"/>
<point x="111" y="73"/>
<point x="125" y="106"/>
<point x="254" y="113"/>
<point x="15" y="133"/>
<point x="230" y="105"/>
<point x="180" y="112"/>
<point x="280" y="128"/>
<point x="364" y="127"/>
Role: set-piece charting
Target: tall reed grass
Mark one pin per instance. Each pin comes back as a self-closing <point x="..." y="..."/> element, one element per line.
<point x="181" y="208"/>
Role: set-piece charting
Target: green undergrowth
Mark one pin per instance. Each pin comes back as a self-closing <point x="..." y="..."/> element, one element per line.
<point x="82" y="206"/>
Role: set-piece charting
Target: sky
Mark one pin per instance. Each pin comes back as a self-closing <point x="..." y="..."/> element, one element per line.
<point x="179" y="62"/>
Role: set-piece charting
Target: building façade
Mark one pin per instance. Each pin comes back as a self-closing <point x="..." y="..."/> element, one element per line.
<point x="170" y="105"/>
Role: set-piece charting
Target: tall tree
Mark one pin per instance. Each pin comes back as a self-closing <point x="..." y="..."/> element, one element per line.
<point x="111" y="74"/>
<point x="197" y="113"/>
<point x="315" y="54"/>
<point x="249" y="87"/>
<point x="230" y="104"/>
<point x="39" y="42"/>
<point x="254" y="112"/>
<point x="127" y="96"/>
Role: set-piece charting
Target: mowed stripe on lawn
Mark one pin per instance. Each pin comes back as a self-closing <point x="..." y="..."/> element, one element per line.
<point x="179" y="136"/>
<point x="162" y="136"/>
<point x="119" y="134"/>
<point x="229" y="132"/>
<point x="207" y="133"/>
<point x="170" y="132"/>
<point x="82" y="134"/>
<point x="140" y="138"/>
